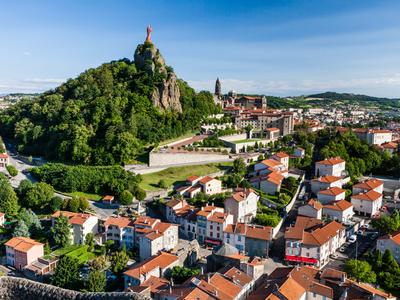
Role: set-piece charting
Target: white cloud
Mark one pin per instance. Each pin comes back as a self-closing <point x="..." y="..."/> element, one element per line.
<point x="44" y="80"/>
<point x="33" y="85"/>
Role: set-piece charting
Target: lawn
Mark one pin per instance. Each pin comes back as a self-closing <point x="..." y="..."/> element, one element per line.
<point x="176" y="175"/>
<point x="88" y="196"/>
<point x="77" y="251"/>
<point x="246" y="141"/>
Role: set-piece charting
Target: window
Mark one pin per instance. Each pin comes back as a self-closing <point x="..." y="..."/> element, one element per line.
<point x="211" y="227"/>
<point x="211" y="234"/>
<point x="217" y="235"/>
<point x="239" y="238"/>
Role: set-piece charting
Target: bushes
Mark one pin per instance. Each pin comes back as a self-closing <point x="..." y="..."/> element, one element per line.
<point x="267" y="220"/>
<point x="99" y="180"/>
<point x="12" y="170"/>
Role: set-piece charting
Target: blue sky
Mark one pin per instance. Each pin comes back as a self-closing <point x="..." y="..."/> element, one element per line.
<point x="271" y="47"/>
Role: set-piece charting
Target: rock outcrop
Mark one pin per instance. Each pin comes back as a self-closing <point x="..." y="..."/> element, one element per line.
<point x="166" y="93"/>
<point x="19" y="288"/>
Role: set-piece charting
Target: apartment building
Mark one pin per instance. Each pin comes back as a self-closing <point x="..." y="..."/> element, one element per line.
<point x="312" y="209"/>
<point x="341" y="211"/>
<point x="253" y="240"/>
<point x="367" y="185"/>
<point x="311" y="241"/>
<point x="120" y="230"/>
<point x="282" y="157"/>
<point x="332" y="166"/>
<point x="242" y="205"/>
<point x="367" y="204"/>
<point x="158" y="266"/>
<point x="81" y="223"/>
<point x="331" y="194"/>
<point x="22" y="251"/>
<point x="390" y="242"/>
<point x="325" y="182"/>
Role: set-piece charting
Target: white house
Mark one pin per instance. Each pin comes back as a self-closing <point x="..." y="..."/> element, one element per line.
<point x="391" y="242"/>
<point x="121" y="230"/>
<point x="157" y="266"/>
<point x="325" y="182"/>
<point x="367" y="185"/>
<point x="270" y="165"/>
<point x="312" y="209"/>
<point x="216" y="223"/>
<point x="378" y="136"/>
<point x="82" y="224"/>
<point x="268" y="183"/>
<point x="2" y="218"/>
<point x="242" y="205"/>
<point x="311" y="241"/>
<point x="4" y="160"/>
<point x="164" y="237"/>
<point x="282" y="157"/>
<point x="341" y="211"/>
<point x="367" y="204"/>
<point x="331" y="194"/>
<point x="210" y="186"/>
<point x="195" y="184"/>
<point x="331" y="166"/>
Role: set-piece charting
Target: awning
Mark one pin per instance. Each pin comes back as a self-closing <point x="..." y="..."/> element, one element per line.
<point x="215" y="242"/>
<point x="301" y="259"/>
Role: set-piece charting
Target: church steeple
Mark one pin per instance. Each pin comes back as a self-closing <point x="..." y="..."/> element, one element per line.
<point x="217" y="88"/>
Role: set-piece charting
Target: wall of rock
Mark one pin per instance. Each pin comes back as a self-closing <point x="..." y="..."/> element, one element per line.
<point x="20" y="288"/>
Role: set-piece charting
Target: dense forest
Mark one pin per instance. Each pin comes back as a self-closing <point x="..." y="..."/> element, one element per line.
<point x="104" y="116"/>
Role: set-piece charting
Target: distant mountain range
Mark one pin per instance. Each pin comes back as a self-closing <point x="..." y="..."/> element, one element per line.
<point x="351" y="97"/>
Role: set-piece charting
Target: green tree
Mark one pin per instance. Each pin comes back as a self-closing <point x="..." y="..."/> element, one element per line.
<point x="12" y="170"/>
<point x="66" y="274"/>
<point x="96" y="281"/>
<point x="55" y="203"/>
<point x="98" y="263"/>
<point x="61" y="231"/>
<point x="181" y="274"/>
<point x="73" y="204"/>
<point x="360" y="270"/>
<point x="89" y="240"/>
<point x="39" y="195"/>
<point x="118" y="261"/>
<point x="162" y="184"/>
<point x="8" y="198"/>
<point x="21" y="229"/>
<point x="83" y="204"/>
<point x="126" y="198"/>
<point x="239" y="167"/>
<point x="140" y="194"/>
<point x="389" y="262"/>
<point x="24" y="186"/>
<point x="31" y="220"/>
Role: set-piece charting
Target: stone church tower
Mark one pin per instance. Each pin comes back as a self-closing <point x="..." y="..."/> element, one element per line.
<point x="217" y="88"/>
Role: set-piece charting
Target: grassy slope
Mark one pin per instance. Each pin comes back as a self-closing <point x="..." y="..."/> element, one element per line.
<point x="175" y="175"/>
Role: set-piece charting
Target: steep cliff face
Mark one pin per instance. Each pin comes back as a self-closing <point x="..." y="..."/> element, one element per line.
<point x="166" y="94"/>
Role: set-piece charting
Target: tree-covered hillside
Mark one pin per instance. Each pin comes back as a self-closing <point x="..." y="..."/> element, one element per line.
<point x="104" y="116"/>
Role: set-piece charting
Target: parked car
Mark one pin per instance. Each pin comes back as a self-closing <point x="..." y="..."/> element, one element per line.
<point x="360" y="232"/>
<point x="352" y="239"/>
<point x="365" y="226"/>
<point x="373" y="236"/>
<point x="342" y="249"/>
<point x="334" y="256"/>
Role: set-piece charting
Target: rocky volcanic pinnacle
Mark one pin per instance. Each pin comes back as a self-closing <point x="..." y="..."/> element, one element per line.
<point x="166" y="94"/>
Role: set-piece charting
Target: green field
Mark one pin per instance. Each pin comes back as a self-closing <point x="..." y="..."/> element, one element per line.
<point x="176" y="175"/>
<point x="77" y="251"/>
<point x="88" y="196"/>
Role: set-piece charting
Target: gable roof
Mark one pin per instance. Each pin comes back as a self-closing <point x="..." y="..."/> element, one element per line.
<point x="329" y="179"/>
<point x="206" y="179"/>
<point x="371" y="195"/>
<point x="162" y="260"/>
<point x="315" y="204"/>
<point x="333" y="191"/>
<point x="271" y="163"/>
<point x="341" y="205"/>
<point x="73" y="218"/>
<point x="192" y="178"/>
<point x="120" y="222"/>
<point x="22" y="244"/>
<point x="281" y="154"/>
<point x="331" y="161"/>
<point x="369" y="184"/>
<point x="251" y="231"/>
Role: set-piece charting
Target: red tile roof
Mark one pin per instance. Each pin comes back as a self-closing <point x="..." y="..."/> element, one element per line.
<point x="206" y="179"/>
<point x="333" y="191"/>
<point x="341" y="205"/>
<point x="3" y="155"/>
<point x="331" y="161"/>
<point x="329" y="179"/>
<point x="281" y="154"/>
<point x="192" y="178"/>
<point x="369" y="196"/>
<point x="162" y="260"/>
<point x="315" y="204"/>
<point x="369" y="184"/>
<point x="108" y="198"/>
<point x="120" y="222"/>
<point x="22" y="244"/>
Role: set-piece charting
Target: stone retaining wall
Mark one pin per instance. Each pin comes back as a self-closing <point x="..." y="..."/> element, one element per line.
<point x="20" y="288"/>
<point x="174" y="159"/>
